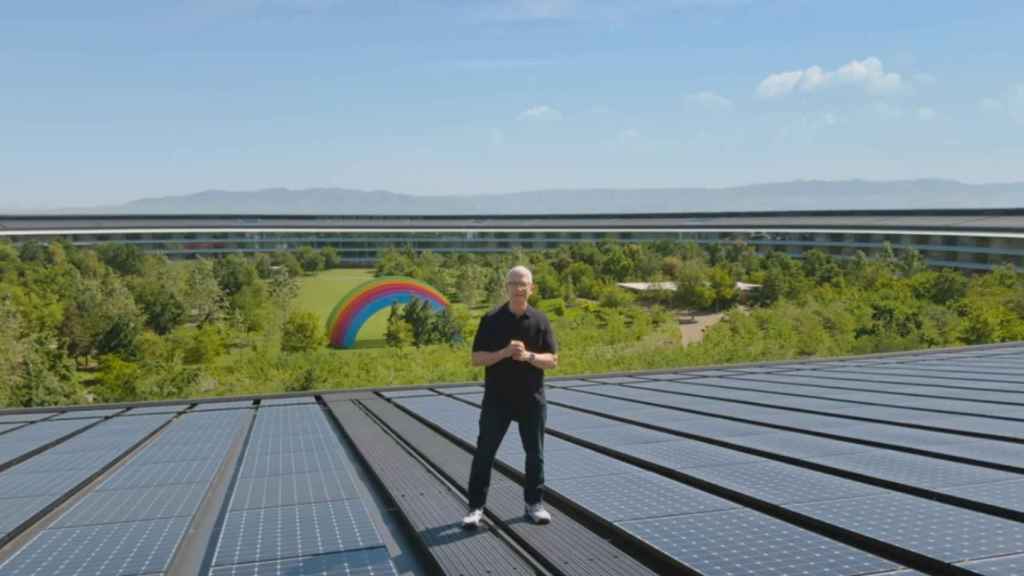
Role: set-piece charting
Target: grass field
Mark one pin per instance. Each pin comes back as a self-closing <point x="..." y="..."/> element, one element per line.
<point x="321" y="292"/>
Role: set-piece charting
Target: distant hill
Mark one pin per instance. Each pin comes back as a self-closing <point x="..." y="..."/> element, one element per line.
<point x="798" y="195"/>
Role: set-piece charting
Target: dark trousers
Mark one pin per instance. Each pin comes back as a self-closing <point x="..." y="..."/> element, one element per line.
<point x="495" y="418"/>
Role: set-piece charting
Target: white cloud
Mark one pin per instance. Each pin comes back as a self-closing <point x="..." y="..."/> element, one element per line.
<point x="868" y="74"/>
<point x="925" y="113"/>
<point x="538" y="112"/>
<point x="710" y="101"/>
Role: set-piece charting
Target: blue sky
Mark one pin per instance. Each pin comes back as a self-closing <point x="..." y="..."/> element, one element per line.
<point x="106" y="101"/>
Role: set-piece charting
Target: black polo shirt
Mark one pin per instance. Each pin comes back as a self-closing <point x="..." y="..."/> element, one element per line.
<point x="511" y="380"/>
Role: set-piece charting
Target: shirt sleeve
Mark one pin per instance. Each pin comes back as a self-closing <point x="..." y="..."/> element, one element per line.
<point x="484" y="339"/>
<point x="548" y="339"/>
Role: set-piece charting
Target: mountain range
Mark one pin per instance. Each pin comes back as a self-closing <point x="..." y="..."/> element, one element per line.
<point x="796" y="195"/>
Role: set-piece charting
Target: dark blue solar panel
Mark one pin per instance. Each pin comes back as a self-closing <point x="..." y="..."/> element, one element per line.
<point x="112" y="506"/>
<point x="292" y="531"/>
<point x="914" y="470"/>
<point x="622" y="435"/>
<point x="14" y="485"/>
<point x="782" y="483"/>
<point x="210" y="406"/>
<point x="409" y="393"/>
<point x="689" y="454"/>
<point x="747" y="543"/>
<point x="366" y="562"/>
<point x="581" y="463"/>
<point x="293" y="489"/>
<point x="181" y="453"/>
<point x="931" y="528"/>
<point x="105" y="550"/>
<point x="64" y="461"/>
<point x="18" y="510"/>
<point x="799" y="445"/>
<point x="287" y="401"/>
<point x="636" y="495"/>
<point x="1005" y="494"/>
<point x="256" y="465"/>
<point x="145" y="475"/>
<point x="1007" y="566"/>
<point x="292" y="443"/>
<point x="172" y="409"/>
<point x="30" y="417"/>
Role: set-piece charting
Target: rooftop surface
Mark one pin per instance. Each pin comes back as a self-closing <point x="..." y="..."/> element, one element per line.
<point x="888" y="465"/>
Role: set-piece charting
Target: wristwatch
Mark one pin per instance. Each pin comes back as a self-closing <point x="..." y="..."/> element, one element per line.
<point x="531" y="357"/>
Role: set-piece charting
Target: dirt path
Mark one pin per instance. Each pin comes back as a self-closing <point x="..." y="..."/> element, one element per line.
<point x="691" y="329"/>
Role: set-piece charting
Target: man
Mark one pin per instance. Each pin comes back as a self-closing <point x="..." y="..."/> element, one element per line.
<point x="516" y="344"/>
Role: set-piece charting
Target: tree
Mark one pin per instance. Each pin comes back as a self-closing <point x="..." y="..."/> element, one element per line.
<point x="102" y="318"/>
<point x="399" y="333"/>
<point x="127" y="259"/>
<point x="289" y="262"/>
<point x="692" y="288"/>
<point x="234" y="273"/>
<point x="302" y="333"/>
<point x="311" y="259"/>
<point x="330" y="257"/>
<point x="202" y="296"/>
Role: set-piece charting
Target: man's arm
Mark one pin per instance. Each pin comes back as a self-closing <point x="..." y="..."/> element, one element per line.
<point x="543" y="360"/>
<point x="484" y="358"/>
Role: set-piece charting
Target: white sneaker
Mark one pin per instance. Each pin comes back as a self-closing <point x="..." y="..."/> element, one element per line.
<point x="537" y="513"/>
<point x="473" y="519"/>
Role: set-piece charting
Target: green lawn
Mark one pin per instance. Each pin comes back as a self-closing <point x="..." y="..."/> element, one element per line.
<point x="320" y="292"/>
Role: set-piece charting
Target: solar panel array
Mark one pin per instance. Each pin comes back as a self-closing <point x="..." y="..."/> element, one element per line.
<point x="132" y="522"/>
<point x="295" y="507"/>
<point x="894" y="465"/>
<point x="932" y="467"/>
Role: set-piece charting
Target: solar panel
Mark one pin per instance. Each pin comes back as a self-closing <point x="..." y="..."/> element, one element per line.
<point x="915" y="470"/>
<point x="113" y="506"/>
<point x="783" y="483"/>
<point x="474" y="389"/>
<point x="1008" y="566"/>
<point x="64" y="461"/>
<point x="293" y="489"/>
<point x="172" y="409"/>
<point x="146" y="475"/>
<point x="747" y="543"/>
<point x="211" y="406"/>
<point x="987" y="450"/>
<point x="365" y="562"/>
<point x="636" y="495"/>
<point x="614" y="379"/>
<point x="291" y="531"/>
<point x="25" y="417"/>
<point x="1004" y="494"/>
<point x="623" y="435"/>
<point x="931" y="528"/>
<point x="6" y="427"/>
<point x="294" y="400"/>
<point x="798" y="445"/>
<point x="581" y="463"/>
<point x="689" y="454"/>
<point x="409" y="393"/>
<point x="256" y="465"/>
<point x="275" y="444"/>
<point x="14" y="485"/>
<point x="75" y="414"/>
<point x="18" y="510"/>
<point x="113" y="549"/>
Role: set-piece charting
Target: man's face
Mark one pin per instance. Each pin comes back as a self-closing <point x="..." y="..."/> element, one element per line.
<point x="519" y="287"/>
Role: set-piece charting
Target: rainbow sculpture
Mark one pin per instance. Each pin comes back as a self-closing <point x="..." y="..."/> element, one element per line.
<point x="365" y="300"/>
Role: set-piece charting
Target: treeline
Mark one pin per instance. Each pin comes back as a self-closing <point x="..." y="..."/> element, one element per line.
<point x="113" y="324"/>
